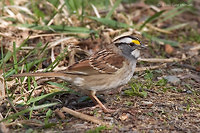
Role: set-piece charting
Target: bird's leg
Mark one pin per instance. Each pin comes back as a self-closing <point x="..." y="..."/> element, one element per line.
<point x="96" y="100"/>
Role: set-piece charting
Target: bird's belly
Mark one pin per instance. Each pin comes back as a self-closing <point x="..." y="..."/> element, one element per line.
<point x="103" y="82"/>
<point x="112" y="81"/>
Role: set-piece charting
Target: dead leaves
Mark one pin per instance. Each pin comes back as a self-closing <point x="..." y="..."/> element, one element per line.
<point x="169" y="49"/>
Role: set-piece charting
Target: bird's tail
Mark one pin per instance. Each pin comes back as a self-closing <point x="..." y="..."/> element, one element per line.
<point x="40" y="74"/>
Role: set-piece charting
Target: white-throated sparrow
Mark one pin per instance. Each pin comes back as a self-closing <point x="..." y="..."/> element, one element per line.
<point x="107" y="69"/>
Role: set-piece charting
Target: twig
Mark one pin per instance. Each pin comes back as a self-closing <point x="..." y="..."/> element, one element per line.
<point x="60" y="114"/>
<point x="158" y="29"/>
<point x="152" y="91"/>
<point x="150" y="67"/>
<point x="154" y="60"/>
<point x="193" y="76"/>
<point x="43" y="35"/>
<point x="67" y="40"/>
<point x="186" y="66"/>
<point x="11" y="104"/>
<point x="195" y="48"/>
<point x="83" y="116"/>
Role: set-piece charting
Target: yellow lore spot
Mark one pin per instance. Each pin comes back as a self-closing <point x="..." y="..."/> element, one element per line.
<point x="136" y="42"/>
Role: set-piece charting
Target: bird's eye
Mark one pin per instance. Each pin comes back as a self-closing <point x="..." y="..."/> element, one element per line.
<point x="136" y="42"/>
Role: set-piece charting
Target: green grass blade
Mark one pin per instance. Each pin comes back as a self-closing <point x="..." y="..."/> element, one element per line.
<point x="7" y="57"/>
<point x="46" y="120"/>
<point x="175" y="27"/>
<point x="73" y="6"/>
<point x="13" y="116"/>
<point x="35" y="99"/>
<point x="44" y="48"/>
<point x="10" y="72"/>
<point x="108" y="16"/>
<point x="35" y="85"/>
<point x="29" y="83"/>
<point x="31" y="112"/>
<point x="29" y="66"/>
<point x="61" y="86"/>
<point x="2" y="57"/>
<point x="82" y="11"/>
<point x="15" y="58"/>
<point x="38" y="13"/>
<point x="58" y="28"/>
<point x="174" y="12"/>
<point x="110" y="23"/>
<point x="9" y="54"/>
<point x="170" y="42"/>
<point x="171" y="16"/>
<point x="57" y="60"/>
<point x="26" y="57"/>
<point x="155" y="16"/>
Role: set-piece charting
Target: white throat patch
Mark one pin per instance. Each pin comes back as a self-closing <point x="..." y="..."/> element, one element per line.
<point x="135" y="53"/>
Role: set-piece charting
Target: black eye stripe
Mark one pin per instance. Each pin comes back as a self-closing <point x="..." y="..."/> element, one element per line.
<point x="130" y="44"/>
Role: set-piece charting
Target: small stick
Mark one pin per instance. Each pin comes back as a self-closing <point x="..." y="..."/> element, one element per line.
<point x="150" y="67"/>
<point x="83" y="116"/>
<point x="154" y="60"/>
<point x="158" y="29"/>
<point x="60" y="114"/>
<point x="195" y="48"/>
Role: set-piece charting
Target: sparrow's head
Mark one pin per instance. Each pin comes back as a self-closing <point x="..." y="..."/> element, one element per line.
<point x="129" y="40"/>
<point x="129" y="46"/>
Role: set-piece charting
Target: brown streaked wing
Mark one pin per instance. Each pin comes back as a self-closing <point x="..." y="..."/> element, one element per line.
<point x="82" y="66"/>
<point x="106" y="62"/>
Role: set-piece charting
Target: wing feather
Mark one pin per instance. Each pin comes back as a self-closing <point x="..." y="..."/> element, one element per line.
<point x="102" y="62"/>
<point x="106" y="61"/>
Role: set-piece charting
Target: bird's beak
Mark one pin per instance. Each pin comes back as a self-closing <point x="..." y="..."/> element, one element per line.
<point x="142" y="46"/>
